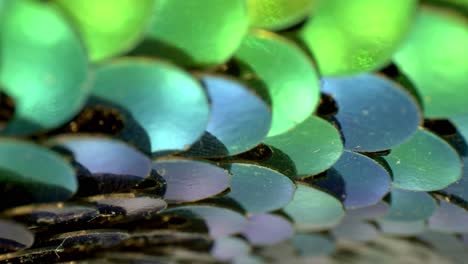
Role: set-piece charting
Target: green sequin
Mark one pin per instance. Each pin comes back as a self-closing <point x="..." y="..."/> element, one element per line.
<point x="108" y="27"/>
<point x="43" y="67"/>
<point x="287" y="74"/>
<point x="313" y="209"/>
<point x="348" y="37"/>
<point x="198" y="33"/>
<point x="424" y="163"/>
<point x="435" y="58"/>
<point x="166" y="101"/>
<point x="46" y="177"/>
<point x="410" y="206"/>
<point x="314" y="146"/>
<point x="258" y="189"/>
<point x="278" y="14"/>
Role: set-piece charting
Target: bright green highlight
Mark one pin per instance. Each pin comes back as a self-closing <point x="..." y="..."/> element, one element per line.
<point x="43" y="66"/>
<point x="108" y="27"/>
<point x="166" y="101"/>
<point x="348" y="37"/>
<point x="424" y="163"/>
<point x="198" y="32"/>
<point x="278" y="14"/>
<point x="313" y="209"/>
<point x="288" y="75"/>
<point x="314" y="146"/>
<point x="435" y="59"/>
<point x="35" y="166"/>
<point x="410" y="206"/>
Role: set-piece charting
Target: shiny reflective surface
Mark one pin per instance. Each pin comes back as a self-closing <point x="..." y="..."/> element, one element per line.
<point x="357" y="180"/>
<point x="313" y="209"/>
<point x="314" y="146"/>
<point x="438" y="39"/>
<point x="139" y="85"/>
<point x="424" y="163"/>
<point x="289" y="77"/>
<point x="190" y="180"/>
<point x="103" y="165"/>
<point x="47" y="89"/>
<point x="108" y="27"/>
<point x="239" y="119"/>
<point x="189" y="32"/>
<point x="344" y="41"/>
<point x="259" y="189"/>
<point x="46" y="178"/>
<point x="237" y="154"/>
<point x="278" y="14"/>
<point x="374" y="113"/>
<point x="102" y="155"/>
